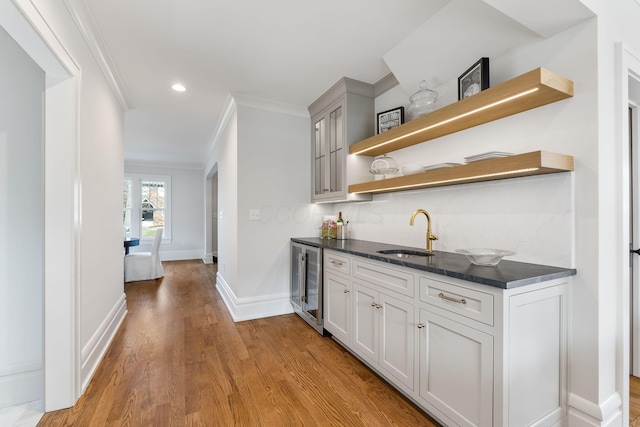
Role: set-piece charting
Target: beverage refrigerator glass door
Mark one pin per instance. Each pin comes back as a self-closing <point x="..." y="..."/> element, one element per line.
<point x="306" y="284"/>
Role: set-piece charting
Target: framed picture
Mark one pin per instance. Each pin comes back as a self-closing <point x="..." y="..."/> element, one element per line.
<point x="474" y="80"/>
<point x="390" y="119"/>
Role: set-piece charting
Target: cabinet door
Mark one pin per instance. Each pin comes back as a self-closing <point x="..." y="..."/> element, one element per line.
<point x="337" y="306"/>
<point x="320" y="178"/>
<point x="336" y="149"/>
<point x="329" y="153"/>
<point x="456" y="370"/>
<point x="365" y="328"/>
<point x="397" y="339"/>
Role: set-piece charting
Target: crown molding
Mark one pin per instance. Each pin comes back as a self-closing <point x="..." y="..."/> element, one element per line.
<point x="88" y="27"/>
<point x="227" y="112"/>
<point x="161" y="165"/>
<point x="267" y="105"/>
<point x="386" y="83"/>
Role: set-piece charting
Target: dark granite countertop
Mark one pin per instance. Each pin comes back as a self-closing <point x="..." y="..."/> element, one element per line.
<point x="506" y="275"/>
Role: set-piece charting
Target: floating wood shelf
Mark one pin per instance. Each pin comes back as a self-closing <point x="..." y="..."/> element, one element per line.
<point x="528" y="164"/>
<point x="531" y="90"/>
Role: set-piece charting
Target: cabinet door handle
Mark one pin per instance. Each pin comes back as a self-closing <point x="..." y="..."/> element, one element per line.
<point x="420" y="325"/>
<point x="338" y="263"/>
<point x="448" y="298"/>
<point x="346" y="291"/>
<point x="373" y="304"/>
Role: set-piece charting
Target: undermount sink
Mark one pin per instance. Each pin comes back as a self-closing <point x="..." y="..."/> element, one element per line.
<point x="405" y="253"/>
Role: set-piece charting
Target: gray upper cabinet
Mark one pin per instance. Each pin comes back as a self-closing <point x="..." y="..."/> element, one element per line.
<point x="342" y="116"/>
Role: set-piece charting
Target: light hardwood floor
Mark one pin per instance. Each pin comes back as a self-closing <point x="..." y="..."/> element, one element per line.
<point x="634" y="401"/>
<point x="180" y="360"/>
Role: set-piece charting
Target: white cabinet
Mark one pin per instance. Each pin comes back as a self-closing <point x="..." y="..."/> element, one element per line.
<point x="341" y="116"/>
<point x="337" y="302"/>
<point x="384" y="333"/>
<point x="366" y="325"/>
<point x="456" y="370"/>
<point x="469" y="354"/>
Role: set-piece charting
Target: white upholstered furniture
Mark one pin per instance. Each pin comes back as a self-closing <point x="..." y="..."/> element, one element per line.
<point x="144" y="265"/>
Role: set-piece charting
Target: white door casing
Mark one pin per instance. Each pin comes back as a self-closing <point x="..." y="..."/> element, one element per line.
<point x="62" y="220"/>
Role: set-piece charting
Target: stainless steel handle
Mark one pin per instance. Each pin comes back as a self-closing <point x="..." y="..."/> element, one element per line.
<point x="448" y="298"/>
<point x="373" y="304"/>
<point x="346" y="291"/>
<point x="338" y="263"/>
<point x="420" y="325"/>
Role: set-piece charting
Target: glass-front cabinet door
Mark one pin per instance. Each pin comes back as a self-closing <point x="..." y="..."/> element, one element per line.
<point x="339" y="118"/>
<point x="329" y="152"/>
<point x="319" y="159"/>
<point x="336" y="150"/>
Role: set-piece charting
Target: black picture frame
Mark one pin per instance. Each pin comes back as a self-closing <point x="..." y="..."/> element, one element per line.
<point x="389" y="119"/>
<point x="474" y="80"/>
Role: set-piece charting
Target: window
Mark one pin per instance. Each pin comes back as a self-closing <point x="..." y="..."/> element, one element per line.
<point x="146" y="206"/>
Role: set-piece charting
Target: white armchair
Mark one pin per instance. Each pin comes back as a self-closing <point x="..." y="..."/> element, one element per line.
<point x="144" y="265"/>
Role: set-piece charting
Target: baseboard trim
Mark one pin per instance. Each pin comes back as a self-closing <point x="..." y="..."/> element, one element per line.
<point x="94" y="351"/>
<point x="180" y="255"/>
<point x="21" y="383"/>
<point x="583" y="412"/>
<point x="209" y="258"/>
<point x="252" y="308"/>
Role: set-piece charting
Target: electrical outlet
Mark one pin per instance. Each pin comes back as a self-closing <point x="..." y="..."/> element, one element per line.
<point x="254" y="215"/>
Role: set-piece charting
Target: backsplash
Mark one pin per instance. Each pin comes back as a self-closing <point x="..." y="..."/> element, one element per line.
<point x="532" y="216"/>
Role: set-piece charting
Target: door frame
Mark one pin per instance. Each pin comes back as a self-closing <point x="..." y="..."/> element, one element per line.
<point x="62" y="219"/>
<point x="627" y="66"/>
<point x="634" y="206"/>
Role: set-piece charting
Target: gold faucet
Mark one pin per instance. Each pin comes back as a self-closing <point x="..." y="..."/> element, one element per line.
<point x="430" y="236"/>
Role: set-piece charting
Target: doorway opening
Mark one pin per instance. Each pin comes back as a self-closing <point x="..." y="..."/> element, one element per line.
<point x="211" y="217"/>
<point x="21" y="229"/>
<point x="628" y="118"/>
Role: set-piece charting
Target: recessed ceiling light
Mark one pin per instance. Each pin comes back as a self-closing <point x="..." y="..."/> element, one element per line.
<point x="178" y="87"/>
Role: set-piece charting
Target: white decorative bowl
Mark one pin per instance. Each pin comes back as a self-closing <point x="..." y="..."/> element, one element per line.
<point x="411" y="169"/>
<point x="485" y="256"/>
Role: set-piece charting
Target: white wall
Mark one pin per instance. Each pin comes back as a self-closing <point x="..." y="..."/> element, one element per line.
<point x="535" y="215"/>
<point x="187" y="212"/>
<point x="617" y="23"/>
<point x="271" y="164"/>
<point x="21" y="224"/>
<point x="224" y="159"/>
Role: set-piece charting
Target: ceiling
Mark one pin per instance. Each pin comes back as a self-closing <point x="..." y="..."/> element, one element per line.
<point x="284" y="51"/>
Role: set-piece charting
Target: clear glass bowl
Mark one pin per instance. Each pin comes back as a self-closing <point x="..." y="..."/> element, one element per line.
<point x="423" y="101"/>
<point x="485" y="256"/>
<point x="384" y="165"/>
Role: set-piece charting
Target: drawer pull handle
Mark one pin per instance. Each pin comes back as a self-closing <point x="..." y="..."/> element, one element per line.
<point x="338" y="263"/>
<point x="448" y="298"/>
<point x="420" y="325"/>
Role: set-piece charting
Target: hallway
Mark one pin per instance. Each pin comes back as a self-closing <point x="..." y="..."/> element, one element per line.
<point x="180" y="360"/>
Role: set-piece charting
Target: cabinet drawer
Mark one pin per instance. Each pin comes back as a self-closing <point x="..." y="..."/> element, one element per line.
<point x="335" y="262"/>
<point x="385" y="276"/>
<point x="469" y="303"/>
